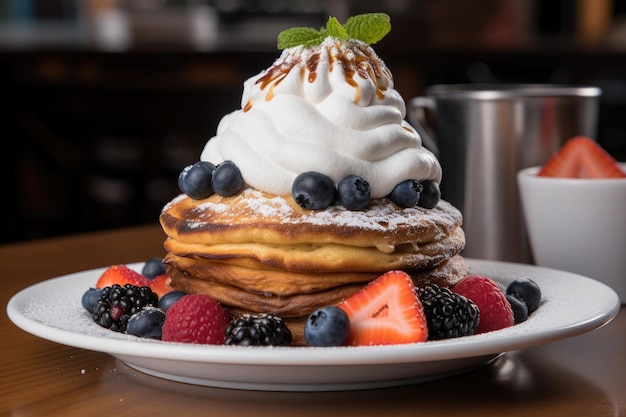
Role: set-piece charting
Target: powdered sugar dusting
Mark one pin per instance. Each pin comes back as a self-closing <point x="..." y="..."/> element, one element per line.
<point x="380" y="216"/>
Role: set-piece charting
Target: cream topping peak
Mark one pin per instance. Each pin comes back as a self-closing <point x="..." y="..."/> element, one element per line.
<point x="330" y="108"/>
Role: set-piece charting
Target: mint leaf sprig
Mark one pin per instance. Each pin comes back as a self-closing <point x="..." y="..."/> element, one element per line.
<point x="369" y="28"/>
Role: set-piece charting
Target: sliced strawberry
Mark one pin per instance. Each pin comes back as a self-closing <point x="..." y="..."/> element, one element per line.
<point x="386" y="311"/>
<point x="121" y="274"/>
<point x="160" y="285"/>
<point x="563" y="164"/>
<point x="582" y="157"/>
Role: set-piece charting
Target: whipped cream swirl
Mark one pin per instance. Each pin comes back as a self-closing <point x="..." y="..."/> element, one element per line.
<point x="330" y="109"/>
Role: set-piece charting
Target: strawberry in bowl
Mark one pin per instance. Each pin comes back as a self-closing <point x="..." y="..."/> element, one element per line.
<point x="582" y="157"/>
<point x="575" y="212"/>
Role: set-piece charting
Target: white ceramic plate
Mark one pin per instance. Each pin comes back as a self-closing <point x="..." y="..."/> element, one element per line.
<point x="572" y="305"/>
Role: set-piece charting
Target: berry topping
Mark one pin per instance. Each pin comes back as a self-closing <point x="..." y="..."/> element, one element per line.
<point x="90" y="299"/>
<point x="121" y="274"/>
<point x="448" y="314"/>
<point x="160" y="285"/>
<point x="169" y="299"/>
<point x="146" y="323"/>
<point x="327" y="326"/>
<point x="520" y="310"/>
<point x="118" y="303"/>
<point x="386" y="311"/>
<point x="430" y="195"/>
<point x="265" y="329"/>
<point x="495" y="310"/>
<point x="582" y="157"/>
<point x="227" y="179"/>
<point x="406" y="194"/>
<point x="195" y="180"/>
<point x="526" y="290"/>
<point x="195" y="318"/>
<point x="313" y="190"/>
<point x="153" y="267"/>
<point x="353" y="192"/>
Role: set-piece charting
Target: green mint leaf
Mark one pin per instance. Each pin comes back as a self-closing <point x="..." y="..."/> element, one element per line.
<point x="369" y="28"/>
<point x="336" y="29"/>
<point x="289" y="38"/>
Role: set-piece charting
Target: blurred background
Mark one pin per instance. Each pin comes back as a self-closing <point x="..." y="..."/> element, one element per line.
<point x="103" y="102"/>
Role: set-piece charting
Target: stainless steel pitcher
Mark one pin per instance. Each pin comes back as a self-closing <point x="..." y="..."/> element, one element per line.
<point x="483" y="135"/>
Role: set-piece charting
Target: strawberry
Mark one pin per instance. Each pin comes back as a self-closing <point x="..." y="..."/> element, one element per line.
<point x="582" y="157"/>
<point x="160" y="285"/>
<point x="196" y="318"/>
<point x="495" y="310"/>
<point x="386" y="311"/>
<point x="121" y="274"/>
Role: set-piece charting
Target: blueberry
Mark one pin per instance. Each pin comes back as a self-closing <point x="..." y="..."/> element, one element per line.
<point x="90" y="299"/>
<point x="195" y="180"/>
<point x="353" y="192"/>
<point x="430" y="195"/>
<point x="327" y="326"/>
<point x="406" y="194"/>
<point x="169" y="299"/>
<point x="313" y="190"/>
<point x="527" y="290"/>
<point x="153" y="268"/>
<point x="520" y="310"/>
<point x="227" y="179"/>
<point x="147" y="323"/>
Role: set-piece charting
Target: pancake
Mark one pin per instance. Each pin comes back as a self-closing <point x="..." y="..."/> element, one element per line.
<point x="256" y="252"/>
<point x="297" y="304"/>
<point x="316" y="270"/>
<point x="264" y="280"/>
<point x="294" y="307"/>
<point x="330" y="256"/>
<point x="253" y="216"/>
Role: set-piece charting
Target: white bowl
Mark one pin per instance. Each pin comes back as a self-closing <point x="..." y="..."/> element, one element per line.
<point x="577" y="225"/>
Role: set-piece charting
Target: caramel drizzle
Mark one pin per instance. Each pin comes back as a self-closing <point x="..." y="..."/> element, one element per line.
<point x="363" y="62"/>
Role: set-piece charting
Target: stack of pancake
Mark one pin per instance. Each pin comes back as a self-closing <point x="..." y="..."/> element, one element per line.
<point x="257" y="252"/>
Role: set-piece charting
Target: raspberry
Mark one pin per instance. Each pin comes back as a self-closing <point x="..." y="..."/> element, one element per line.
<point x="495" y="310"/>
<point x="196" y="318"/>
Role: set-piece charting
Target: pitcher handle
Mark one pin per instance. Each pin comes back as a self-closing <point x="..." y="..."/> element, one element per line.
<point x="417" y="118"/>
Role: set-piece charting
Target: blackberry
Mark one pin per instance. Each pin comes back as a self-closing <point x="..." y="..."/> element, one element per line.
<point x="265" y="329"/>
<point x="117" y="304"/>
<point x="448" y="314"/>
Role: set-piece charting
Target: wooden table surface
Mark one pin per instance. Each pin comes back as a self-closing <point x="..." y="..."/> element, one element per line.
<point x="580" y="376"/>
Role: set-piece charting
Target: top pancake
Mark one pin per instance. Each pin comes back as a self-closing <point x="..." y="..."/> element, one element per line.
<point x="253" y="216"/>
